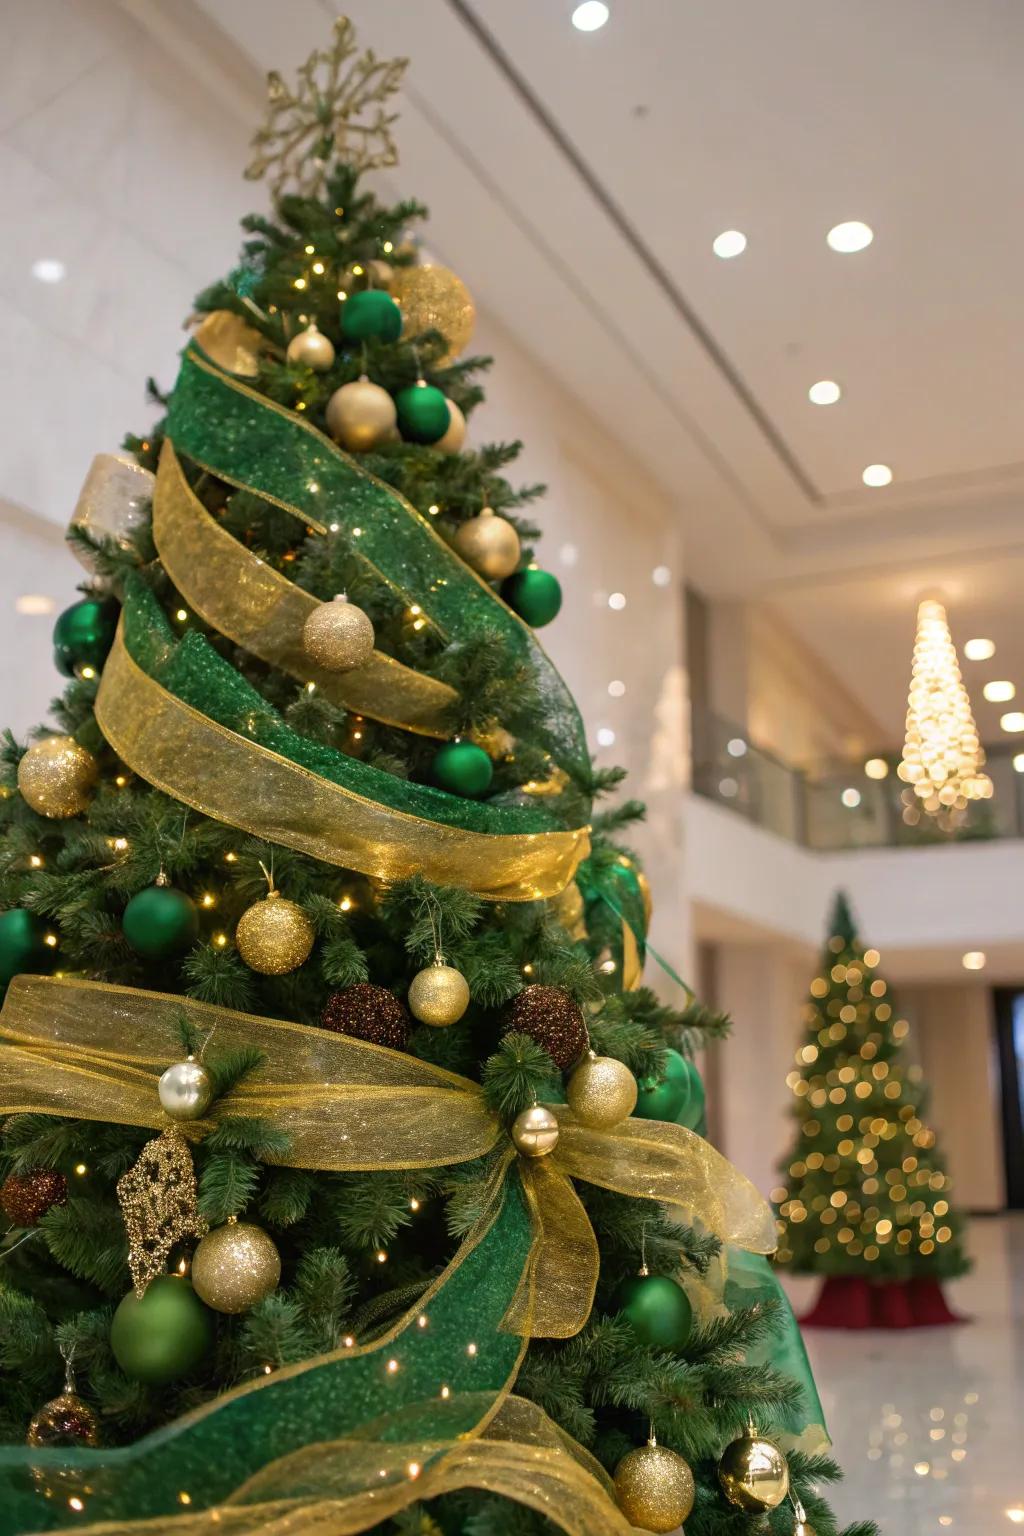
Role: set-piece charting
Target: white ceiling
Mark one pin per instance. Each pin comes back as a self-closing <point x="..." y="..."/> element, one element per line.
<point x="577" y="181"/>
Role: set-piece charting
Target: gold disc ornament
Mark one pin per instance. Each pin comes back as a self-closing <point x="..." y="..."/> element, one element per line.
<point x="489" y="544"/>
<point x="311" y="349"/>
<point x="361" y="416"/>
<point x="654" y="1487"/>
<point x="433" y="299"/>
<point x="753" y="1473"/>
<point x="438" y="995"/>
<point x="601" y="1092"/>
<point x="338" y="636"/>
<point x="235" y="1266"/>
<point x="274" y="936"/>
<point x="56" y="777"/>
<point x="535" y="1131"/>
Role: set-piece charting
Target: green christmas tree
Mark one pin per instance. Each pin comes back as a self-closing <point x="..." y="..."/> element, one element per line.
<point x="307" y="929"/>
<point x="866" y="1191"/>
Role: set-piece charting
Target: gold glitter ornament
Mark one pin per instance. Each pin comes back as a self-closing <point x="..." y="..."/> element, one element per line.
<point x="361" y="415"/>
<point x="274" y="936"/>
<point x="654" y="1487"/>
<point x="57" y="776"/>
<point x="66" y="1420"/>
<point x="438" y="995"/>
<point x="158" y="1203"/>
<point x="535" y="1131"/>
<point x="433" y="299"/>
<point x="601" y="1092"/>
<point x="338" y="636"/>
<point x="311" y="349"/>
<point x="235" y="1267"/>
<point x="455" y="436"/>
<point x="489" y="544"/>
<point x="753" y="1473"/>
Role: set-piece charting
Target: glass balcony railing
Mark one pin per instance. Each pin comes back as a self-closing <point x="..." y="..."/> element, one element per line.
<point x="841" y="807"/>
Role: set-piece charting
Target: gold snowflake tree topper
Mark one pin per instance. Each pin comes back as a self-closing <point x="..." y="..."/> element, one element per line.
<point x="338" y="108"/>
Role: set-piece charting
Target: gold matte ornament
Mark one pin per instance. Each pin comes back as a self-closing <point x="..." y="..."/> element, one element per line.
<point x="361" y="415"/>
<point x="439" y="995"/>
<point x="235" y="1266"/>
<point x="455" y="436"/>
<point x="158" y="1203"/>
<point x="535" y="1131"/>
<point x="57" y="776"/>
<point x="311" y="349"/>
<point x="434" y="299"/>
<point x="489" y="544"/>
<point x="601" y="1092"/>
<point x="274" y="936"/>
<point x="753" y="1473"/>
<point x="654" y="1487"/>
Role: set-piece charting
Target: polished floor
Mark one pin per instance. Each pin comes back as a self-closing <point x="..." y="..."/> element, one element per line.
<point x="928" y="1424"/>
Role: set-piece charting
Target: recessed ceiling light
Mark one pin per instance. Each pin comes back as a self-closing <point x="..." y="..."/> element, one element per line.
<point x="850" y="798"/>
<point x="568" y="554"/>
<point x="979" y="650"/>
<point x="876" y="768"/>
<point x="877" y="474"/>
<point x="849" y="237"/>
<point x="1000" y="692"/>
<point x="1012" y="722"/>
<point x="1018" y="762"/>
<point x="605" y="736"/>
<point x="616" y="688"/>
<point x="34" y="603"/>
<point x="825" y="392"/>
<point x="617" y="600"/>
<point x="48" y="270"/>
<point x="731" y="242"/>
<point x="590" y="16"/>
<point x="661" y="575"/>
<point x="737" y="747"/>
<point x="974" y="960"/>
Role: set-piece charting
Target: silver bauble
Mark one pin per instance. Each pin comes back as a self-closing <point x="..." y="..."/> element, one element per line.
<point x="456" y="434"/>
<point x="489" y="544"/>
<point x="338" y="636"/>
<point x="312" y="349"/>
<point x="185" y="1090"/>
<point x="601" y="1092"/>
<point x="535" y="1131"/>
<point x="361" y="416"/>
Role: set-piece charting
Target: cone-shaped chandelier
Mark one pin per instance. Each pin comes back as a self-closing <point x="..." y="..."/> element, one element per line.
<point x="942" y="756"/>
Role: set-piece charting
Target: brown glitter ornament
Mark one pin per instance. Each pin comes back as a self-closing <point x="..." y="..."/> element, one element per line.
<point x="368" y="1013"/>
<point x="235" y="1266"/>
<point x="64" y="1421"/>
<point x="158" y="1203"/>
<point x="57" y="776"/>
<point x="654" y="1487"/>
<point x="25" y="1198"/>
<point x="552" y="1020"/>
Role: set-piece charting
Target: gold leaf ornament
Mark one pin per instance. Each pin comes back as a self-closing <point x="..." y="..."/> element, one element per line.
<point x="158" y="1203"/>
<point x="336" y="110"/>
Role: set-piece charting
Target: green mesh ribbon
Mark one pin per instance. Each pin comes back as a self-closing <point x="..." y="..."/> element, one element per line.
<point x="237" y="434"/>
<point x="618" y="886"/>
<point x="398" y="1381"/>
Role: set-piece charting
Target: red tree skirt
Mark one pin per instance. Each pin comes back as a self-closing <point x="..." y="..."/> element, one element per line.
<point x="852" y="1301"/>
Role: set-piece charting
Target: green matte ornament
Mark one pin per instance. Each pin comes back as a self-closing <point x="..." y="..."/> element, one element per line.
<point x="423" y="414"/>
<point x="371" y="316"/>
<point x="164" y="1335"/>
<point x="462" y="768"/>
<point x="692" y="1113"/>
<point x="23" y="944"/>
<point x="83" y="634"/>
<point x="535" y="595"/>
<point x="657" y="1309"/>
<point x="160" y="921"/>
<point x="667" y="1099"/>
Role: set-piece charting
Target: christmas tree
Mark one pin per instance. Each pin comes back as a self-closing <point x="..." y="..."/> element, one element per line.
<point x="348" y="1165"/>
<point x="867" y="1200"/>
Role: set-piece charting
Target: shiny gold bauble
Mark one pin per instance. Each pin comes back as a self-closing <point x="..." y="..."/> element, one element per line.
<point x="63" y="1422"/>
<point x="438" y="995"/>
<point x="601" y="1092"/>
<point x="654" y="1487"/>
<point x="361" y="416"/>
<point x="274" y="936"/>
<point x="753" y="1473"/>
<point x="456" y="434"/>
<point x="434" y="299"/>
<point x="56" y="777"/>
<point x="338" y="636"/>
<point x="489" y="544"/>
<point x="235" y="1266"/>
<point x="311" y="349"/>
<point x="535" y="1131"/>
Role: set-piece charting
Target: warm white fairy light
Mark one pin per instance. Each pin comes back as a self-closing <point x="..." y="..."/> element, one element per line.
<point x="942" y="756"/>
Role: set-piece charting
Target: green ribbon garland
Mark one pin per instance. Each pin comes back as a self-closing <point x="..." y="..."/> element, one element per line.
<point x="209" y="1454"/>
<point x="237" y="434"/>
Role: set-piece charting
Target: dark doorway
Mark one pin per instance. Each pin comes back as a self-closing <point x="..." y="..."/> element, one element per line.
<point x="1009" y="1011"/>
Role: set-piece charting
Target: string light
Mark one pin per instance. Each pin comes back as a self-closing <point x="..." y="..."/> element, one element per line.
<point x="942" y="756"/>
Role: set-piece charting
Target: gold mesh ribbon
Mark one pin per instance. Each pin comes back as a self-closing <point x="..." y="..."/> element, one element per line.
<point x="244" y="598"/>
<point x="95" y="1052"/>
<point x="237" y="781"/>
